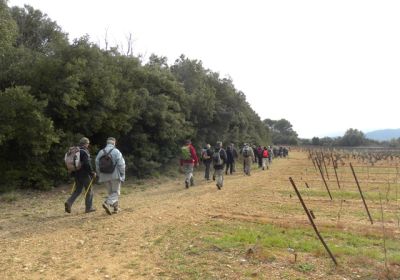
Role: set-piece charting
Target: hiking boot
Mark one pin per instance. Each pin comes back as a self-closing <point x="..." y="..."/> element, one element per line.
<point x="191" y="181"/>
<point x="213" y="177"/>
<point x="116" y="208"/>
<point x="218" y="186"/>
<point x="67" y="207"/>
<point x="90" y="210"/>
<point x="107" y="208"/>
<point x="186" y="184"/>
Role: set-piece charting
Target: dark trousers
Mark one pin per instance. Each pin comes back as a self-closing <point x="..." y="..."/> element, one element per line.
<point x="259" y="161"/>
<point x="229" y="165"/>
<point x="207" y="171"/>
<point x="80" y="185"/>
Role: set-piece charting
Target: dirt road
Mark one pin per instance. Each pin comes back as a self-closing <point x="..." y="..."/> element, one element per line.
<point x="159" y="223"/>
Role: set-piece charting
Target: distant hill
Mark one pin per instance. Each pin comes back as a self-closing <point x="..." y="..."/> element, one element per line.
<point x="384" y="134"/>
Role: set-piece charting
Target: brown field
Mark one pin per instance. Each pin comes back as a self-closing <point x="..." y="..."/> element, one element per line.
<point x="241" y="232"/>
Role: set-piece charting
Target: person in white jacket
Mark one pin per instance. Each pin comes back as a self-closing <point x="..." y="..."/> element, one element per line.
<point x="112" y="175"/>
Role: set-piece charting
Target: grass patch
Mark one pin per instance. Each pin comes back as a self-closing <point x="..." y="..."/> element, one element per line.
<point x="240" y="236"/>
<point x="216" y="248"/>
<point x="305" y="267"/>
<point x="10" y="197"/>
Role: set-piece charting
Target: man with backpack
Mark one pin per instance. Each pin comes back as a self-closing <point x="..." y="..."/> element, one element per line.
<point x="229" y="160"/>
<point x="81" y="169"/>
<point x="219" y="159"/>
<point x="188" y="160"/>
<point x="110" y="165"/>
<point x="269" y="155"/>
<point x="235" y="157"/>
<point x="207" y="159"/>
<point x="259" y="156"/>
<point x="248" y="157"/>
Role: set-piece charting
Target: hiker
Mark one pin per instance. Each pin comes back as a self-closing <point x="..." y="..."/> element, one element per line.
<point x="259" y="156"/>
<point x="280" y="152"/>
<point x="248" y="157"/>
<point x="110" y="165"/>
<point x="254" y="147"/>
<point x="83" y="178"/>
<point x="188" y="160"/>
<point x="269" y="155"/>
<point x="219" y="159"/>
<point x="265" y="156"/>
<point x="235" y="157"/>
<point x="275" y="152"/>
<point x="207" y="159"/>
<point x="229" y="160"/>
<point x="285" y="152"/>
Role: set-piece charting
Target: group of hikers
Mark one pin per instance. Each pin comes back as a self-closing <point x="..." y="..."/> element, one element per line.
<point x="224" y="160"/>
<point x="110" y="167"/>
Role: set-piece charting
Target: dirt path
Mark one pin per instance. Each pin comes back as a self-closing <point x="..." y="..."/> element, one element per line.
<point x="40" y="241"/>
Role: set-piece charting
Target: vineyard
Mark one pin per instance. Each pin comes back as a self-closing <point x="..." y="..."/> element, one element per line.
<point x="254" y="228"/>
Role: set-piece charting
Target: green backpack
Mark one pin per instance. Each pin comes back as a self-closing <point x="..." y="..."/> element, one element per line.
<point x="185" y="153"/>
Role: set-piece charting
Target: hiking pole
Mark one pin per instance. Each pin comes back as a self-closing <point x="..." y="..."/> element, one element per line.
<point x="87" y="190"/>
<point x="90" y="185"/>
<point x="73" y="187"/>
<point x="310" y="218"/>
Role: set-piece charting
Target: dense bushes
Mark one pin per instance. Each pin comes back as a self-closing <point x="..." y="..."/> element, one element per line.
<point x="53" y="92"/>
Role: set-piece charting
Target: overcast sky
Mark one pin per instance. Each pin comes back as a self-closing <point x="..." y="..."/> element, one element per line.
<point x="325" y="66"/>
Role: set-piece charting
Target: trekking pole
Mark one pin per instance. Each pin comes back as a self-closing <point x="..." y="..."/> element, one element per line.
<point x="87" y="190"/>
<point x="90" y="185"/>
<point x="73" y="187"/>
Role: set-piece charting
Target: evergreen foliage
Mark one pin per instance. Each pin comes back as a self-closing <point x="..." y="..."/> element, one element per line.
<point x="281" y="132"/>
<point x="52" y="92"/>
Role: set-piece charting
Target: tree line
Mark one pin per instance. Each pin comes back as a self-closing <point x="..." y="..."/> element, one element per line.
<point x="352" y="138"/>
<point x="52" y="92"/>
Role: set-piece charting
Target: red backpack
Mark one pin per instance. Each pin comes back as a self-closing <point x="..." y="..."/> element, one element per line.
<point x="265" y="153"/>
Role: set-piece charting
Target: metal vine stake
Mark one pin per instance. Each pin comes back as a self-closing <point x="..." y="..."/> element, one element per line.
<point x="361" y="193"/>
<point x="312" y="221"/>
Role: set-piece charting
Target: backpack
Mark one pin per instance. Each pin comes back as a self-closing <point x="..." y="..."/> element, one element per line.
<point x="106" y="164"/>
<point x="185" y="153"/>
<point x="217" y="160"/>
<point x="72" y="159"/>
<point x="265" y="154"/>
<point x="204" y="155"/>
<point x="246" y="151"/>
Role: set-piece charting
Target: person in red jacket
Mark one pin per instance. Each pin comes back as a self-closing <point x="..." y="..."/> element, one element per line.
<point x="188" y="161"/>
<point x="265" y="156"/>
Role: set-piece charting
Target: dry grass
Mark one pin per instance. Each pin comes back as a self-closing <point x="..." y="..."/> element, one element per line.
<point x="167" y="232"/>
